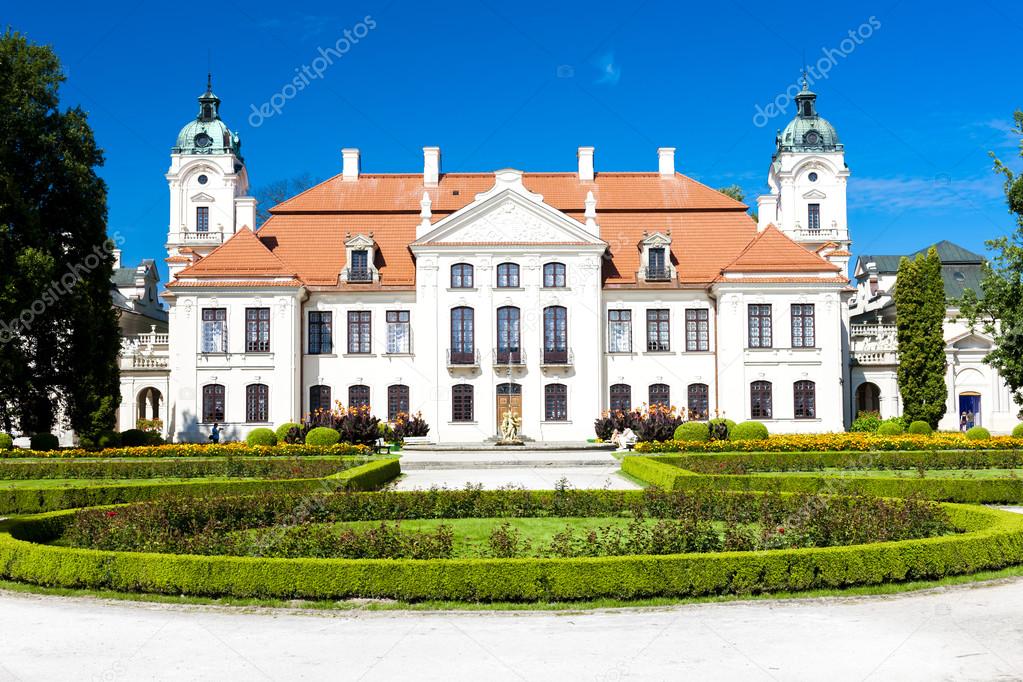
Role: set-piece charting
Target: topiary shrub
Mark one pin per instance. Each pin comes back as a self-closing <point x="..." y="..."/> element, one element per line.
<point x="108" y="439"/>
<point x="133" y="438"/>
<point x="866" y="422"/>
<point x="284" y="429"/>
<point x="322" y="435"/>
<point x="748" y="431"/>
<point x="1017" y="432"/>
<point x="978" y="433"/>
<point x="44" y="441"/>
<point x="920" y="428"/>
<point x="693" y="431"/>
<point x="6" y="442"/>
<point x="891" y="427"/>
<point x="261" y="436"/>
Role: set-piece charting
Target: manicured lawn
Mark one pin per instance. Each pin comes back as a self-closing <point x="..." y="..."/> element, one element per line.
<point x="901" y="473"/>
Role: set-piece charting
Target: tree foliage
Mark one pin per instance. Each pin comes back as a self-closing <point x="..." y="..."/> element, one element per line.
<point x="919" y="319"/>
<point x="998" y="308"/>
<point x="273" y="193"/>
<point x="58" y="331"/>
<point x="733" y="191"/>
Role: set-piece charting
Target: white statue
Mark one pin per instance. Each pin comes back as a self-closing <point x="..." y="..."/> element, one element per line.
<point x="510" y="425"/>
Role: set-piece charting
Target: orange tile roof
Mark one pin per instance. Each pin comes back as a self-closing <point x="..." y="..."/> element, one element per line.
<point x="244" y="253"/>
<point x="252" y="283"/>
<point x="772" y="251"/>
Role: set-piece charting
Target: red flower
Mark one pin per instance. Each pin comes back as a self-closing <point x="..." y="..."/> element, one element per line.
<point x="781" y="531"/>
<point x="111" y="514"/>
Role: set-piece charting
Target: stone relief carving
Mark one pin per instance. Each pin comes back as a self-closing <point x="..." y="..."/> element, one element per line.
<point x="508" y="222"/>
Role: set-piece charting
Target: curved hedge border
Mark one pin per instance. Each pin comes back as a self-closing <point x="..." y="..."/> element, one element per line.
<point x="826" y="442"/>
<point x="368" y="476"/>
<point x="741" y="462"/>
<point x="992" y="539"/>
<point x="196" y="450"/>
<point x="182" y="467"/>
<point x="665" y="473"/>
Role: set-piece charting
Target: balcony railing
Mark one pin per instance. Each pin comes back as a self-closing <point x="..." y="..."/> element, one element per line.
<point x="875" y="357"/>
<point x="878" y="330"/>
<point x="463" y="358"/>
<point x="358" y="275"/>
<point x="197" y="237"/>
<point x="557" y="358"/>
<point x="509" y="356"/>
<point x="657" y="274"/>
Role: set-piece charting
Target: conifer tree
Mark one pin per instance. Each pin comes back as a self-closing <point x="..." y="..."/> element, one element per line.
<point x="919" y="318"/>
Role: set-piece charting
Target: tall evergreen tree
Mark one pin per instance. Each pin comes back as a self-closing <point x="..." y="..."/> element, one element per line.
<point x="919" y="319"/>
<point x="59" y="337"/>
<point x="998" y="307"/>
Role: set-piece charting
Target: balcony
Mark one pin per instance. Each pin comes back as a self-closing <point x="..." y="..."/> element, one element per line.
<point x="197" y="238"/>
<point x="359" y="275"/>
<point x="875" y="357"/>
<point x="507" y="357"/>
<point x="874" y="344"/>
<point x="145" y="351"/>
<point x="463" y="359"/>
<point x="661" y="273"/>
<point x="557" y="358"/>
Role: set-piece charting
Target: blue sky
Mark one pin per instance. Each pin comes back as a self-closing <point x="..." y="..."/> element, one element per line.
<point x="919" y="103"/>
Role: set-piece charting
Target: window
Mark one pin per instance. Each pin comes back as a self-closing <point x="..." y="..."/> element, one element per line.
<point x="659" y="394"/>
<point x="319" y="399"/>
<point x="554" y="275"/>
<point x="463" y="343"/>
<point x="802" y="325"/>
<point x="461" y="403"/>
<point x="507" y="276"/>
<point x="699" y="407"/>
<point x="760" y="325"/>
<point x="619" y="331"/>
<point x="359" y="341"/>
<point x="257" y="330"/>
<point x="698" y="329"/>
<point x="320" y="334"/>
<point x="214" y="330"/>
<point x="555" y="403"/>
<point x="213" y="403"/>
<point x="508" y="341"/>
<point x="257" y="403"/>
<point x="656" y="263"/>
<point x="359" y="270"/>
<point x="804" y="399"/>
<point x="202" y="218"/>
<point x="555" y="335"/>
<point x="658" y="330"/>
<point x="760" y="400"/>
<point x="397" y="401"/>
<point x="399" y="332"/>
<point x="358" y="396"/>
<point x="461" y="276"/>
<point x="621" y="398"/>
<point x="813" y="216"/>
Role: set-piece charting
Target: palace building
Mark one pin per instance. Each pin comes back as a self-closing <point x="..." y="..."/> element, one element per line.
<point x="554" y="295"/>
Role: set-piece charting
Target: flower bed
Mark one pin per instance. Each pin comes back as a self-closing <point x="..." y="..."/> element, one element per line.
<point x="198" y="450"/>
<point x="861" y="442"/>
<point x="989" y="539"/>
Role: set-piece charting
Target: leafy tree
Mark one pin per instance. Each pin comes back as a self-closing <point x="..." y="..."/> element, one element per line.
<point x="734" y="191"/>
<point x="998" y="308"/>
<point x="273" y="193"/>
<point x="59" y="337"/>
<point x="919" y="321"/>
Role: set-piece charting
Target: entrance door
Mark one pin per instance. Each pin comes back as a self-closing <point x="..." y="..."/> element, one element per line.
<point x="969" y="404"/>
<point x="509" y="399"/>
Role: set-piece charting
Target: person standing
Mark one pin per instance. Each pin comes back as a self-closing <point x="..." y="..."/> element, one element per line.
<point x="962" y="422"/>
<point x="215" y="434"/>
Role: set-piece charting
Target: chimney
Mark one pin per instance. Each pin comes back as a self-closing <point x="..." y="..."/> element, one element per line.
<point x="585" y="164"/>
<point x="431" y="166"/>
<point x="117" y="258"/>
<point x="666" y="161"/>
<point x="350" y="165"/>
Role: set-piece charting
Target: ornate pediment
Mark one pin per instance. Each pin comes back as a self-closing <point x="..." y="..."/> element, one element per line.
<point x="815" y="194"/>
<point x="202" y="196"/>
<point x="360" y="241"/>
<point x="656" y="240"/>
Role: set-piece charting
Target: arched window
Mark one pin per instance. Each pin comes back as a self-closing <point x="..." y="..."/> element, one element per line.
<point x="463" y="342"/>
<point x="760" y="400"/>
<point x="621" y="398"/>
<point x="319" y="398"/>
<point x="804" y="399"/>
<point x="397" y="401"/>
<point x="257" y="403"/>
<point x="699" y="407"/>
<point x="461" y="276"/>
<point x="507" y="276"/>
<point x="358" y="396"/>
<point x="509" y="349"/>
<point x="213" y="403"/>
<point x="461" y="403"/>
<point x="555" y="335"/>
<point x="554" y="275"/>
<point x="660" y="394"/>
<point x="555" y="402"/>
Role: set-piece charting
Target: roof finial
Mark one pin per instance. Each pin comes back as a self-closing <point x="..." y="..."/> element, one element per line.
<point x="209" y="81"/>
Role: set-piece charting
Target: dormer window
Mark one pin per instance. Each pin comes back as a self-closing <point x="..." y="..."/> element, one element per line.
<point x="655" y="268"/>
<point x="360" y="251"/>
<point x="656" y="258"/>
<point x="360" y="266"/>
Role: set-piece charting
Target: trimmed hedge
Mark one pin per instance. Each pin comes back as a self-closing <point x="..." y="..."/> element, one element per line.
<point x="322" y="436"/>
<point x="743" y="462"/>
<point x="261" y="436"/>
<point x="189" y="467"/>
<point x="6" y="442"/>
<point x="196" y="450"/>
<point x="993" y="539"/>
<point x="890" y="428"/>
<point x="850" y="442"/>
<point x="978" y="433"/>
<point x="368" y="476"/>
<point x="44" y="442"/>
<point x="698" y="431"/>
<point x="748" y="431"/>
<point x="283" y="429"/>
<point x="920" y="428"/>
<point x="1017" y="431"/>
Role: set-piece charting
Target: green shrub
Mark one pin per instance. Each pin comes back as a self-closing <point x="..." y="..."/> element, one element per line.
<point x="978" y="433"/>
<point x="108" y="439"/>
<point x="133" y="438"/>
<point x="748" y="431"/>
<point x="866" y="422"/>
<point x="891" y="427"/>
<point x="322" y="435"/>
<point x="920" y="428"/>
<point x="715" y="428"/>
<point x="1017" y="431"/>
<point x="696" y="431"/>
<point x="261" y="436"/>
<point x="283" y="429"/>
<point x="44" y="441"/>
<point x="6" y="442"/>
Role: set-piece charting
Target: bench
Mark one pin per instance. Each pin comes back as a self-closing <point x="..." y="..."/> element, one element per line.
<point x="381" y="447"/>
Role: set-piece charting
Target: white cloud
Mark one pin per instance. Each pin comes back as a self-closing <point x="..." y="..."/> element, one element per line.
<point x="903" y="192"/>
